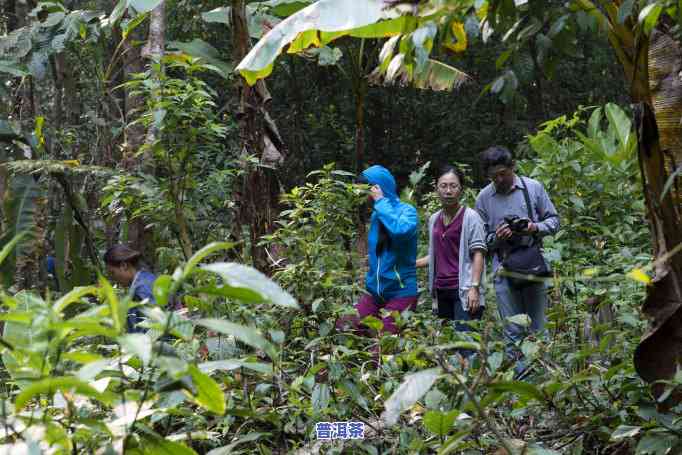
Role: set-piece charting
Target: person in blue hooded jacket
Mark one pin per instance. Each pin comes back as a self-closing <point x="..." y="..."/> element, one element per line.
<point x="391" y="280"/>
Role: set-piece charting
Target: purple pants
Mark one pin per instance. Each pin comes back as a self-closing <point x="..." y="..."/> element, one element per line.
<point x="367" y="306"/>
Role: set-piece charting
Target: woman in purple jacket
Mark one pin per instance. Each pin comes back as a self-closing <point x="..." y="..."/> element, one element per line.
<point x="456" y="253"/>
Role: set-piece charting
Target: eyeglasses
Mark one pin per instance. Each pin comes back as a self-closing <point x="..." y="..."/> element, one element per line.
<point x="452" y="186"/>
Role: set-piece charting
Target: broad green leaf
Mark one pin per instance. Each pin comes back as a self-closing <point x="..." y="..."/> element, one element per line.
<point x="233" y="364"/>
<point x="14" y="69"/>
<point x="243" y="294"/>
<point x="303" y="41"/>
<point x="118" y="11"/>
<point x="161" y="290"/>
<point x="206" y="53"/>
<point x="205" y="251"/>
<point x="451" y="445"/>
<point x="625" y="432"/>
<point x="22" y="317"/>
<point x="373" y="323"/>
<point x="594" y="124"/>
<point x="327" y="56"/>
<point x="9" y="246"/>
<point x="320" y="398"/>
<point x="247" y="335"/>
<point x="648" y="16"/>
<point x="26" y="338"/>
<point x="226" y="450"/>
<point x="209" y="395"/>
<point x="620" y="122"/>
<point x="154" y="445"/>
<point x="241" y="276"/>
<point x="144" y="6"/>
<point x="439" y="76"/>
<point x="434" y="398"/>
<point x="324" y="16"/>
<point x="535" y="449"/>
<point x="128" y="26"/>
<point x="383" y="29"/>
<point x="520" y="319"/>
<point x="50" y="385"/>
<point x="458" y="345"/>
<point x="440" y="423"/>
<point x="118" y="309"/>
<point x="285" y="8"/>
<point x="218" y="15"/>
<point x="522" y="389"/>
<point x="82" y="326"/>
<point x="351" y="389"/>
<point x="73" y="296"/>
<point x="89" y="371"/>
<point x="655" y="444"/>
<point x="412" y="389"/>
<point x="139" y="344"/>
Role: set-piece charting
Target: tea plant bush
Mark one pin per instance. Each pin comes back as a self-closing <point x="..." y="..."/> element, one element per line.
<point x="255" y="363"/>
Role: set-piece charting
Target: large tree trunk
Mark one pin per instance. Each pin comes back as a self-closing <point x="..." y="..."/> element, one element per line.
<point x="258" y="201"/>
<point x="652" y="71"/>
<point x="660" y="150"/>
<point x="135" y="134"/>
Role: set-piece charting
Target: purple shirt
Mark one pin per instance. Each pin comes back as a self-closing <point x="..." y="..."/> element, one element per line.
<point x="446" y="250"/>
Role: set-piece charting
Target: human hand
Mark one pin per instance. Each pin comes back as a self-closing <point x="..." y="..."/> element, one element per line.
<point x="376" y="193"/>
<point x="532" y="228"/>
<point x="503" y="231"/>
<point x="473" y="300"/>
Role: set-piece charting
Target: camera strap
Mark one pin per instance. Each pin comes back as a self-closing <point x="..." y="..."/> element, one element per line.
<point x="526" y="196"/>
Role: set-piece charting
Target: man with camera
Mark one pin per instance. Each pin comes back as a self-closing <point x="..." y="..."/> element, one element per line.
<point x="517" y="213"/>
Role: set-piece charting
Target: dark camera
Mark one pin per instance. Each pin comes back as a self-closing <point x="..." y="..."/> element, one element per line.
<point x="516" y="224"/>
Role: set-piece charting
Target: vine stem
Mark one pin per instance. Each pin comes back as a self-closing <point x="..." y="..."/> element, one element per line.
<point x="479" y="409"/>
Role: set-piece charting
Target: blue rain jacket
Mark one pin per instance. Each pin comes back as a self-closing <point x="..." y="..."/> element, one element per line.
<point x="393" y="273"/>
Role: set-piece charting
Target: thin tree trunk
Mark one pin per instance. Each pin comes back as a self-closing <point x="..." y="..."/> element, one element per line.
<point x="258" y="201"/>
<point x="154" y="50"/>
<point x="135" y="134"/>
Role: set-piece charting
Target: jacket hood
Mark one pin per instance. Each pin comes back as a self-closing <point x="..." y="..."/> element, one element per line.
<point x="379" y="175"/>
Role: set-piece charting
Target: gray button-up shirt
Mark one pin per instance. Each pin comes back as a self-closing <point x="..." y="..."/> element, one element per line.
<point x="494" y="206"/>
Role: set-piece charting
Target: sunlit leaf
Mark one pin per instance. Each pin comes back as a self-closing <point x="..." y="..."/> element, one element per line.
<point x="412" y="389"/>
<point x="324" y="16"/>
<point x="50" y="385"/>
<point x="117" y="308"/>
<point x="520" y="319"/>
<point x="241" y="276"/>
<point x="638" y="274"/>
<point x="73" y="296"/>
<point x="226" y="450"/>
<point x="440" y="423"/>
<point x="144" y="6"/>
<point x="522" y="389"/>
<point x="625" y="432"/>
<point x="247" y="335"/>
<point x="233" y="364"/>
<point x="209" y="395"/>
<point x="139" y="344"/>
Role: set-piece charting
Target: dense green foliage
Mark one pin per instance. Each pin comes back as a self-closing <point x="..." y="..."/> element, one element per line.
<point x="275" y="371"/>
<point x="101" y="144"/>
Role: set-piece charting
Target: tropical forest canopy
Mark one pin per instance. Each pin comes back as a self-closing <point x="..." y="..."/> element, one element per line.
<point x="222" y="139"/>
